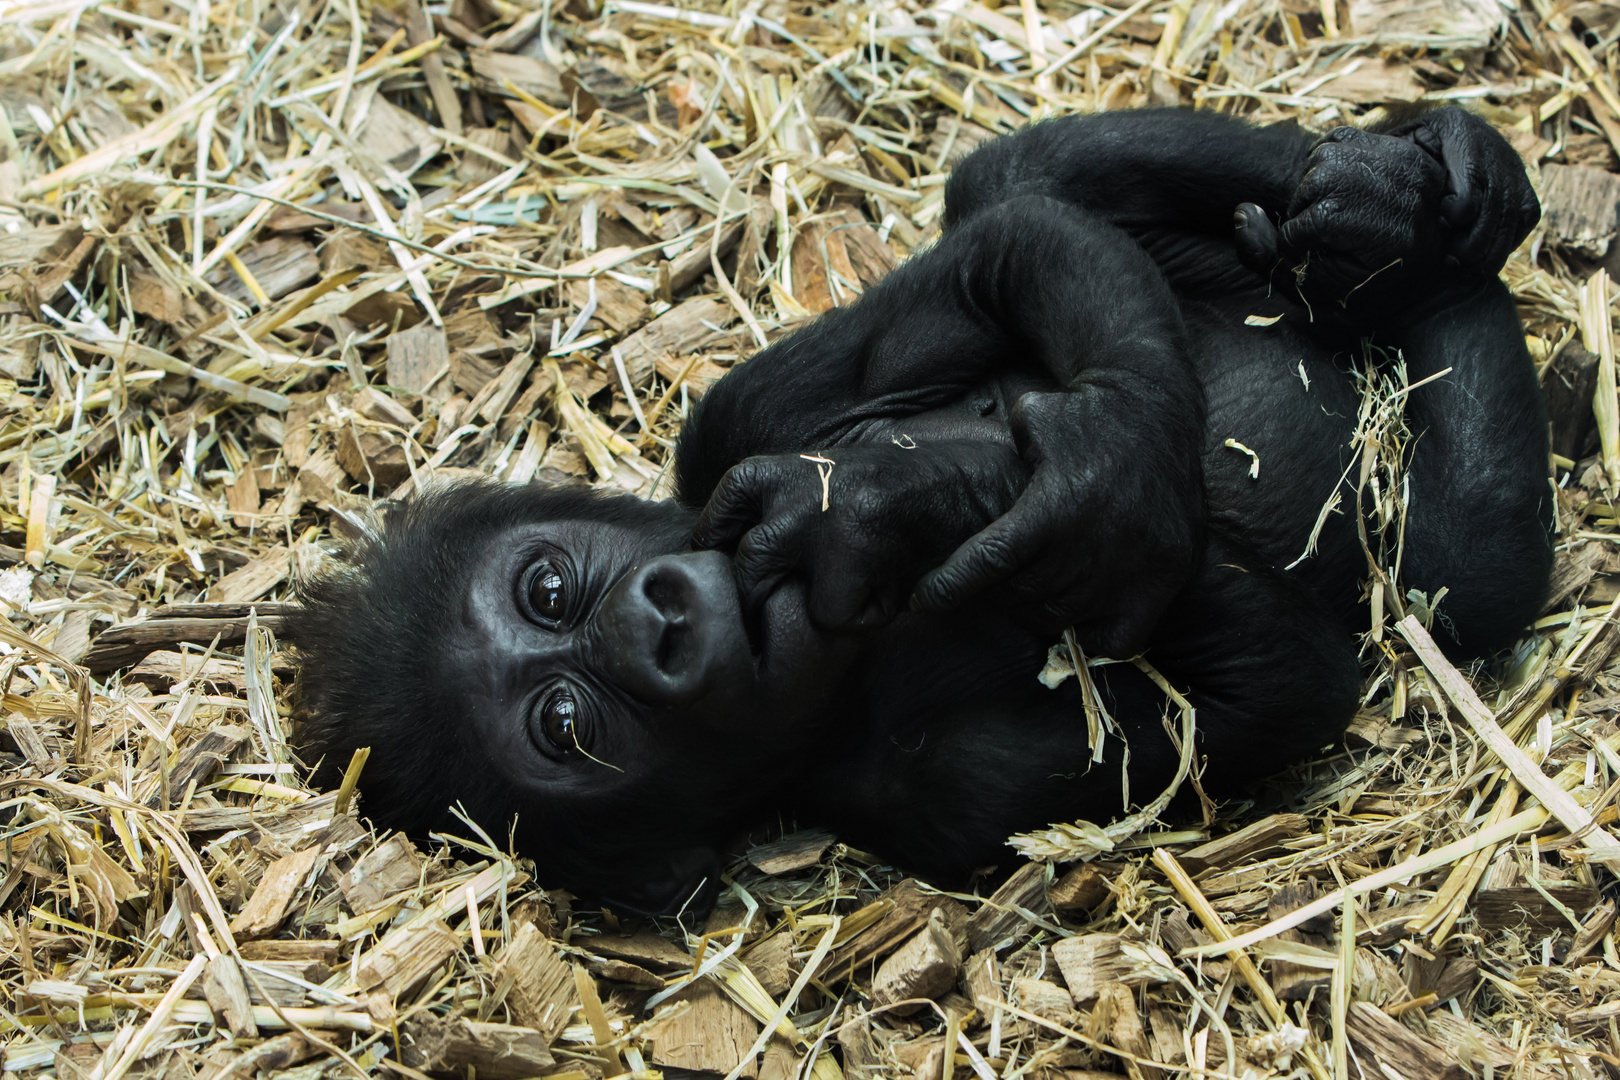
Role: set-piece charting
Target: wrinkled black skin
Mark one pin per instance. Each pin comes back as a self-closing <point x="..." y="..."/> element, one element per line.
<point x="1027" y="426"/>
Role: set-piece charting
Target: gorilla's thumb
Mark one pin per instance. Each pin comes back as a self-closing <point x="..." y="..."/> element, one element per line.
<point x="1255" y="237"/>
<point x="980" y="562"/>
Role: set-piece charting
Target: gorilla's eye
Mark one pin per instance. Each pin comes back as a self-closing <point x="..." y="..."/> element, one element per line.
<point x="546" y="596"/>
<point x="559" y="721"/>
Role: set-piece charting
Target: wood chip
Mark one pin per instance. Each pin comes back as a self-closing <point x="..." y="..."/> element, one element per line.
<point x="273" y="897"/>
<point x="702" y="1030"/>
<point x="796" y="851"/>
<point x="494" y="1051"/>
<point x="1385" y="1043"/>
<point x="924" y="967"/>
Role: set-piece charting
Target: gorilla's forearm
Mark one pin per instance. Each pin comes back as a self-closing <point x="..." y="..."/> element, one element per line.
<point x="1154" y="170"/>
<point x="1031" y="289"/>
<point x="1480" y="511"/>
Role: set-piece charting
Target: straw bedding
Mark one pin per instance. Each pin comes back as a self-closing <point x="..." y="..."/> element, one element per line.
<point x="264" y="263"/>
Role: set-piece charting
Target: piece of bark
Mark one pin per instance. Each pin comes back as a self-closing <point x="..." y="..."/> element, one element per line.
<point x="462" y="1047"/>
<point x="317" y="951"/>
<point x="418" y="32"/>
<point x="199" y="762"/>
<point x="1445" y="977"/>
<point x="796" y="851"/>
<point x="1090" y="962"/>
<point x="124" y="645"/>
<point x="406" y="956"/>
<point x="644" y="948"/>
<point x="165" y="668"/>
<point x="624" y="971"/>
<point x="981" y="981"/>
<point x="1126" y="1030"/>
<point x="905" y="909"/>
<point x="688" y="268"/>
<point x="835" y="259"/>
<point x="279" y="265"/>
<point x="1081" y="889"/>
<point x="1505" y="899"/>
<point x="699" y="377"/>
<point x="378" y="407"/>
<point x="388" y="869"/>
<point x="63" y="260"/>
<point x="1263" y="835"/>
<point x="924" y="967"/>
<point x="542" y="993"/>
<point x="154" y="297"/>
<point x="1569" y="384"/>
<point x="227" y="994"/>
<point x="393" y="136"/>
<point x="1460" y="24"/>
<point x="372" y="457"/>
<point x="28" y="740"/>
<point x="1597" y="924"/>
<point x="1045" y="999"/>
<point x="1381" y="1041"/>
<point x="242" y="496"/>
<point x="677" y="331"/>
<point x="274" y="896"/>
<point x="415" y="357"/>
<point x="591" y="85"/>
<point x="1580" y="206"/>
<point x="619" y="307"/>
<point x="248" y="583"/>
<point x="1290" y="981"/>
<point x="492" y="401"/>
<point x="1005" y="916"/>
<point x="470" y="373"/>
<point x="493" y="70"/>
<point x="475" y="168"/>
<point x="702" y="1030"/>
<point x="771" y="961"/>
<point x="292" y="820"/>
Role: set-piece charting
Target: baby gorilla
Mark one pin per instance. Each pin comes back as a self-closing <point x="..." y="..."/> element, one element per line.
<point x="885" y="519"/>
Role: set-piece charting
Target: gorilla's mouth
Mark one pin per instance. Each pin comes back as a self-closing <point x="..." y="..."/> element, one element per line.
<point x="753" y="619"/>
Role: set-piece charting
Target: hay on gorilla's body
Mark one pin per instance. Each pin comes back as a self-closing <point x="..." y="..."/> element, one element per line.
<point x="218" y="221"/>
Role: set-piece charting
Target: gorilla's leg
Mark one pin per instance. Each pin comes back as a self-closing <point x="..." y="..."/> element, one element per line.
<point x="1480" y="513"/>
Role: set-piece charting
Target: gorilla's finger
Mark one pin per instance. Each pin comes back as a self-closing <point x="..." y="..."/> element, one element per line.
<point x="1296" y="235"/>
<point x="1255" y="236"/>
<point x="993" y="555"/>
<point x="766" y="553"/>
<point x="736" y="506"/>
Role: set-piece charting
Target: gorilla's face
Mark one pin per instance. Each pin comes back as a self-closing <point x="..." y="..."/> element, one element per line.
<point x="598" y="666"/>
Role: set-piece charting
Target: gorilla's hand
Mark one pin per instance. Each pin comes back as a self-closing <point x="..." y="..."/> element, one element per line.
<point x="1366" y="213"/>
<point x="1489" y="206"/>
<point x="861" y="522"/>
<point x="1095" y="542"/>
<point x="1384" y="222"/>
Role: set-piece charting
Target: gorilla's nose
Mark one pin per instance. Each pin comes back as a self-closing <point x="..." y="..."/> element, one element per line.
<point x="666" y="630"/>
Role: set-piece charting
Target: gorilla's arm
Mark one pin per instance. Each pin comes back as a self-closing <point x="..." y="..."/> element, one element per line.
<point x="1031" y="292"/>
<point x="1149" y="171"/>
<point x="950" y="789"/>
<point x="1480" y="512"/>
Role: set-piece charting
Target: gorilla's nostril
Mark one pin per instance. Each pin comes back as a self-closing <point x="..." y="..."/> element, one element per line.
<point x="663" y="595"/>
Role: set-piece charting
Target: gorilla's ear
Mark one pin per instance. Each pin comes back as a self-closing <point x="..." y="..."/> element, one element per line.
<point x="684" y="882"/>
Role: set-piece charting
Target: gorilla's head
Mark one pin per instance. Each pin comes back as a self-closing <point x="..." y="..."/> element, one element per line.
<point x="560" y="662"/>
